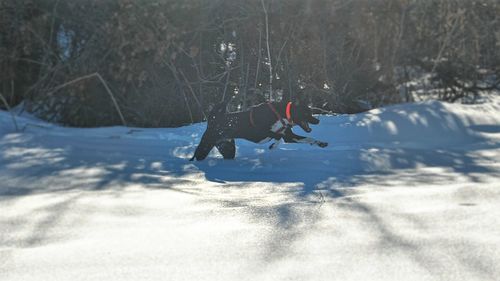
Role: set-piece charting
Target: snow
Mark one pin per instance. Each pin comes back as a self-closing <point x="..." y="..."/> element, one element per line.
<point x="406" y="192"/>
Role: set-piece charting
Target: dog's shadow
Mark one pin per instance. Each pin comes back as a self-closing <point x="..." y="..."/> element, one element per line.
<point x="305" y="167"/>
<point x="335" y="169"/>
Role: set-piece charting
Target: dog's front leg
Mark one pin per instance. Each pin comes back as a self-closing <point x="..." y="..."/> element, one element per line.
<point x="290" y="137"/>
<point x="275" y="144"/>
<point x="311" y="141"/>
<point x="206" y="144"/>
<point x="277" y="139"/>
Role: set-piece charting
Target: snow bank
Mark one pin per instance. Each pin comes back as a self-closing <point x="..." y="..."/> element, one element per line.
<point x="431" y="123"/>
<point x="426" y="124"/>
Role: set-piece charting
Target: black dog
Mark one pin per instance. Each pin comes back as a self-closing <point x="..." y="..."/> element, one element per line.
<point x="259" y="124"/>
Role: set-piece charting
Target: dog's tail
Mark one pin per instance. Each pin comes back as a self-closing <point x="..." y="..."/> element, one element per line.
<point x="217" y="112"/>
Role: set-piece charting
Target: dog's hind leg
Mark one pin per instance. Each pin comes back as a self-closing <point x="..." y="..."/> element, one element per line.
<point x="227" y="148"/>
<point x="206" y="144"/>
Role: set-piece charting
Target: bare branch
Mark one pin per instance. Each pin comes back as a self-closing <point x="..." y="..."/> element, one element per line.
<point x="103" y="83"/>
<point x="10" y="111"/>
<point x="192" y="92"/>
<point x="266" y="17"/>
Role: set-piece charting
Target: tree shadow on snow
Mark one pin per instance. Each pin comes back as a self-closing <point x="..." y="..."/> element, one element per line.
<point x="62" y="171"/>
<point x="49" y="165"/>
<point x="327" y="169"/>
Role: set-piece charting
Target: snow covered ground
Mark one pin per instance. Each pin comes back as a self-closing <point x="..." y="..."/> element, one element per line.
<point x="408" y="192"/>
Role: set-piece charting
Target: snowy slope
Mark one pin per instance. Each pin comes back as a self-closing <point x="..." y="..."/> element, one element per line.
<point x="407" y="192"/>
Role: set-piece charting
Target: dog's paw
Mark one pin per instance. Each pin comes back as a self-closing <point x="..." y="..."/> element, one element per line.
<point x="322" y="144"/>
<point x="273" y="145"/>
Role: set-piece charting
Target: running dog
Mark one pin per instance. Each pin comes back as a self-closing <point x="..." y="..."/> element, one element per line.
<point x="260" y="124"/>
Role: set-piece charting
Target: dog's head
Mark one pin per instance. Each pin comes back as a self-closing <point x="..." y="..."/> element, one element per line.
<point x="301" y="115"/>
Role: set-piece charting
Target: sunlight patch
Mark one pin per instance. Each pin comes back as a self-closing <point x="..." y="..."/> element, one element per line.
<point x="391" y="127"/>
<point x="156" y="166"/>
<point x="376" y="160"/>
<point x="183" y="152"/>
<point x="83" y="172"/>
<point x="119" y="166"/>
<point x="15" y="138"/>
<point x="256" y="164"/>
<point x="31" y="152"/>
<point x="28" y="157"/>
<point x="259" y="151"/>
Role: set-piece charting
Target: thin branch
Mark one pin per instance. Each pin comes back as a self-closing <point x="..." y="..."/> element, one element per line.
<point x="112" y="98"/>
<point x="12" y="90"/>
<point x="281" y="50"/>
<point x="30" y="61"/>
<point x="226" y="84"/>
<point x="399" y="36"/>
<point x="10" y="111"/>
<point x="54" y="11"/>
<point x="192" y="92"/>
<point x="55" y="89"/>
<point x="268" y="51"/>
<point x="96" y="74"/>
<point x="445" y="42"/>
<point x="187" y="105"/>
<point x="245" y="88"/>
<point x="259" y="51"/>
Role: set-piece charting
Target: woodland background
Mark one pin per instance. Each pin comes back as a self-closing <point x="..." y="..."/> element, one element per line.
<point x="165" y="63"/>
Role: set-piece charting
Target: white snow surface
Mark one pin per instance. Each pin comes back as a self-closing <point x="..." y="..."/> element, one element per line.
<point x="407" y="192"/>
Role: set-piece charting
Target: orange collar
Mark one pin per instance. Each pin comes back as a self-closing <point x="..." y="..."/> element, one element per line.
<point x="288" y="112"/>
<point x="278" y="116"/>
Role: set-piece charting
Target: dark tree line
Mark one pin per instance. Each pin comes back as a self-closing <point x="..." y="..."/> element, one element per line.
<point x="166" y="62"/>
